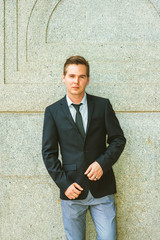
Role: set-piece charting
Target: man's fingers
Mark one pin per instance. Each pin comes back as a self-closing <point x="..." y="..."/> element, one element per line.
<point x="90" y="174"/>
<point x="93" y="178"/>
<point x="75" y="195"/>
<point x="73" y="191"/>
<point x="76" y="191"/>
<point x="77" y="186"/>
<point x="94" y="171"/>
<point x="88" y="170"/>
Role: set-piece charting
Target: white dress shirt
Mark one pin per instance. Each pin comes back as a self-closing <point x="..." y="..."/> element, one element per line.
<point x="83" y="110"/>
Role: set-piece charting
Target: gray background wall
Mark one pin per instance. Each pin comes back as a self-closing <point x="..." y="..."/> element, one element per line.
<point x="121" y="40"/>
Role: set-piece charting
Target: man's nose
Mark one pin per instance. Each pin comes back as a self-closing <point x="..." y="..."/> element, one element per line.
<point x="76" y="80"/>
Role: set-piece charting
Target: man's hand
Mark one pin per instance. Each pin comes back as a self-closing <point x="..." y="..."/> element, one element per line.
<point x="73" y="191"/>
<point x="94" y="172"/>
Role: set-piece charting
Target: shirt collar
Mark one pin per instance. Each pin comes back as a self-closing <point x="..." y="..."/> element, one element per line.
<point x="84" y="100"/>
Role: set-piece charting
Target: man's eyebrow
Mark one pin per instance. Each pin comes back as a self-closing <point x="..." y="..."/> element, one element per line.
<point x="71" y="74"/>
<point x="83" y="74"/>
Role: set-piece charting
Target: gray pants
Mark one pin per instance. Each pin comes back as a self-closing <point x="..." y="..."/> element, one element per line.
<point x="103" y="212"/>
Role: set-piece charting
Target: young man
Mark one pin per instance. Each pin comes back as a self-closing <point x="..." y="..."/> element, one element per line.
<point x="79" y="124"/>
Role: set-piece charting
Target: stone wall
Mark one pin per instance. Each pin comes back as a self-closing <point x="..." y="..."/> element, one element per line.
<point x="121" y="40"/>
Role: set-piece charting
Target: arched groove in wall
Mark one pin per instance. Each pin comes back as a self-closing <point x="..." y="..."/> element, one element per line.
<point x="28" y="28"/>
<point x="46" y="35"/>
<point x="156" y="5"/>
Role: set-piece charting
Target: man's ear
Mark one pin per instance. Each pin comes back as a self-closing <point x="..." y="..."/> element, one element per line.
<point x="88" y="80"/>
<point x="63" y="78"/>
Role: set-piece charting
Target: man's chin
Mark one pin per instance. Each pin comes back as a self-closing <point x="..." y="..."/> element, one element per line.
<point x="76" y="92"/>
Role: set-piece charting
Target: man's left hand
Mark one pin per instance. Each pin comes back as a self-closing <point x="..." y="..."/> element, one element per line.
<point x="94" y="172"/>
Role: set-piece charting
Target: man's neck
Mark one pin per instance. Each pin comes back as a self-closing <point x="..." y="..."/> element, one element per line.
<point x="76" y="98"/>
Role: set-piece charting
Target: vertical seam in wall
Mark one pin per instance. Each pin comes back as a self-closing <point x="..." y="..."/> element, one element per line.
<point x="4" y="41"/>
<point x="17" y="34"/>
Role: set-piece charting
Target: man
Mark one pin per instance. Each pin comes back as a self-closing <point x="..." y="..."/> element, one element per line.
<point x="79" y="124"/>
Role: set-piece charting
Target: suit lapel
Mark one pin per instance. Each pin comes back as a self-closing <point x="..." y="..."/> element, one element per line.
<point x="65" y="109"/>
<point x="90" y="110"/>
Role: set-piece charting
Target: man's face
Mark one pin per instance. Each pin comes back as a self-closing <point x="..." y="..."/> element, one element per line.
<point x="76" y="80"/>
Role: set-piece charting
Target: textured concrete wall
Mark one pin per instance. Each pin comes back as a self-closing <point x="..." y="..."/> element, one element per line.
<point x="121" y="40"/>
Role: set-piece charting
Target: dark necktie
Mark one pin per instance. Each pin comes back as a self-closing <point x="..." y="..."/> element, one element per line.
<point x="79" y="121"/>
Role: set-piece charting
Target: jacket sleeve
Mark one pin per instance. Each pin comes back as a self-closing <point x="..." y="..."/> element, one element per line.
<point x="116" y="140"/>
<point x="50" y="152"/>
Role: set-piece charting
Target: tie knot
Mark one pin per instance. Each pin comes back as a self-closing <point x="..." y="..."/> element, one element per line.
<point x="77" y="106"/>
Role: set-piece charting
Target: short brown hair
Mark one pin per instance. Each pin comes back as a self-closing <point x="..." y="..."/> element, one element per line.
<point x="76" y="60"/>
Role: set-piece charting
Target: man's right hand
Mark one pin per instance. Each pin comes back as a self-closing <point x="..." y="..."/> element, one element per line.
<point x="73" y="191"/>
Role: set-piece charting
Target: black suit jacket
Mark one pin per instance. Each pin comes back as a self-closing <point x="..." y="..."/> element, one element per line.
<point x="60" y="132"/>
